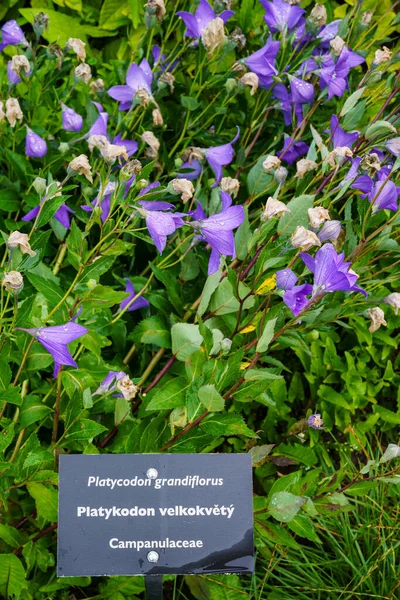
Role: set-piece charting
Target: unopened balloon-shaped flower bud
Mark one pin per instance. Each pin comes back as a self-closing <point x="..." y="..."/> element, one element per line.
<point x="83" y="72"/>
<point x="304" y="238"/>
<point x="226" y="345"/>
<point x="13" y="111"/>
<point x="271" y="163"/>
<point x="274" y="208"/>
<point x="382" y="56"/>
<point x="337" y="45"/>
<point x="19" y="64"/>
<point x="153" y="143"/>
<point x="40" y="23"/>
<point x="318" y="215"/>
<point x="304" y="165"/>
<point x="230" y="185"/>
<point x="184" y="187"/>
<point x="142" y="183"/>
<point x="40" y="186"/>
<point x="35" y="146"/>
<point x="78" y="47"/>
<point x="12" y="34"/>
<point x="156" y="8"/>
<point x="71" y="120"/>
<point x="97" y="86"/>
<point x="127" y="388"/>
<point x="81" y="166"/>
<point x="250" y="79"/>
<point x="157" y="118"/>
<point x="166" y="79"/>
<point x="394" y="301"/>
<point x="231" y="85"/>
<point x="280" y="175"/>
<point x="130" y="168"/>
<point x="213" y="35"/>
<point x="318" y="15"/>
<point x="366" y="17"/>
<point x="238" y="38"/>
<point x="370" y="162"/>
<point x="63" y="148"/>
<point x="330" y="231"/>
<point x="377" y="317"/>
<point x="13" y="282"/>
<point x="315" y="421"/>
<point x="21" y="241"/>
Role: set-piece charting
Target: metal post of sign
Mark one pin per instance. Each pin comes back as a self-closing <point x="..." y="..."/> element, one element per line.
<point x="154" y="588"/>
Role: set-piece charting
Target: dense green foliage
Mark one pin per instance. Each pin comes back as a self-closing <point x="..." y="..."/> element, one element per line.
<point x="220" y="362"/>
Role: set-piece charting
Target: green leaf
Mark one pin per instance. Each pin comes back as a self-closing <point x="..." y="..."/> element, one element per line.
<point x="303" y="526"/>
<point x="209" y="288"/>
<point x="76" y="245"/>
<point x="210" y="398"/>
<point x="298" y="214"/>
<point x="186" y="340"/>
<point x="224" y="300"/>
<point x="170" y="395"/>
<point x="50" y="207"/>
<point x="259" y="454"/>
<point x="258" y="180"/>
<point x="103" y="296"/>
<point x="189" y="103"/>
<point x="10" y="535"/>
<point x="50" y="291"/>
<point x="5" y="375"/>
<point x="94" y="271"/>
<point x="351" y="101"/>
<point x="379" y="129"/>
<point x="276" y="534"/>
<point x="284" y="506"/>
<point x="153" y="330"/>
<point x="12" y="576"/>
<point x="84" y="431"/>
<point x="46" y="499"/>
<point x="6" y="436"/>
<point x="33" y="410"/>
<point x="9" y="201"/>
<point x="330" y="395"/>
<point x="226" y="424"/>
<point x="114" y="14"/>
<point x="266" y="336"/>
<point x="361" y="488"/>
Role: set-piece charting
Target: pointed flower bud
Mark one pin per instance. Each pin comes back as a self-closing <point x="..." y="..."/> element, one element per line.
<point x="377" y="317"/>
<point x="394" y="301"/>
<point x="40" y="23"/>
<point x="81" y="165"/>
<point x="21" y="241"/>
<point x="318" y="215"/>
<point x="35" y="146"/>
<point x="71" y="120"/>
<point x="304" y="238"/>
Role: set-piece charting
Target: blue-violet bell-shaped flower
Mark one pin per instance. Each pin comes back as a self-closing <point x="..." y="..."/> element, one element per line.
<point x="197" y="22"/>
<point x="138" y="303"/>
<point x="12" y="35"/>
<point x="315" y="421"/>
<point x="221" y="156"/>
<point x="138" y="78"/>
<point x="280" y="15"/>
<point x="296" y="297"/>
<point x="56" y="339"/>
<point x="160" y="221"/>
<point x="292" y="150"/>
<point x="285" y="279"/>
<point x="262" y="63"/>
<point x="110" y="383"/>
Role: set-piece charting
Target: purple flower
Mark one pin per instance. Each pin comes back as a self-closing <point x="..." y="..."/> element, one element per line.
<point x="280" y="15"/>
<point x="99" y="127"/>
<point x="35" y="146"/>
<point x="292" y="150"/>
<point x="382" y="193"/>
<point x="148" y="188"/>
<point x="302" y="92"/>
<point x="296" y="298"/>
<point x="328" y="32"/>
<point x="339" y="136"/>
<point x="333" y="75"/>
<point x="197" y="22"/>
<point x="220" y="156"/>
<point x="137" y="78"/>
<point x="285" y="279"/>
<point x="71" y="120"/>
<point x="281" y="93"/>
<point x="193" y="170"/>
<point x="138" y="303"/>
<point x="217" y="230"/>
<point x="55" y="340"/>
<point x="331" y="272"/>
<point x="262" y="63"/>
<point x="62" y="215"/>
<point x="103" y="200"/>
<point x="130" y="145"/>
<point x="160" y="60"/>
<point x="159" y="221"/>
<point x="315" y="421"/>
<point x="110" y="383"/>
<point x="11" y="35"/>
<point x="393" y="146"/>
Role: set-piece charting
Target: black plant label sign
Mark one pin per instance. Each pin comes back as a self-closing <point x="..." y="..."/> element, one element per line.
<point x="153" y="514"/>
